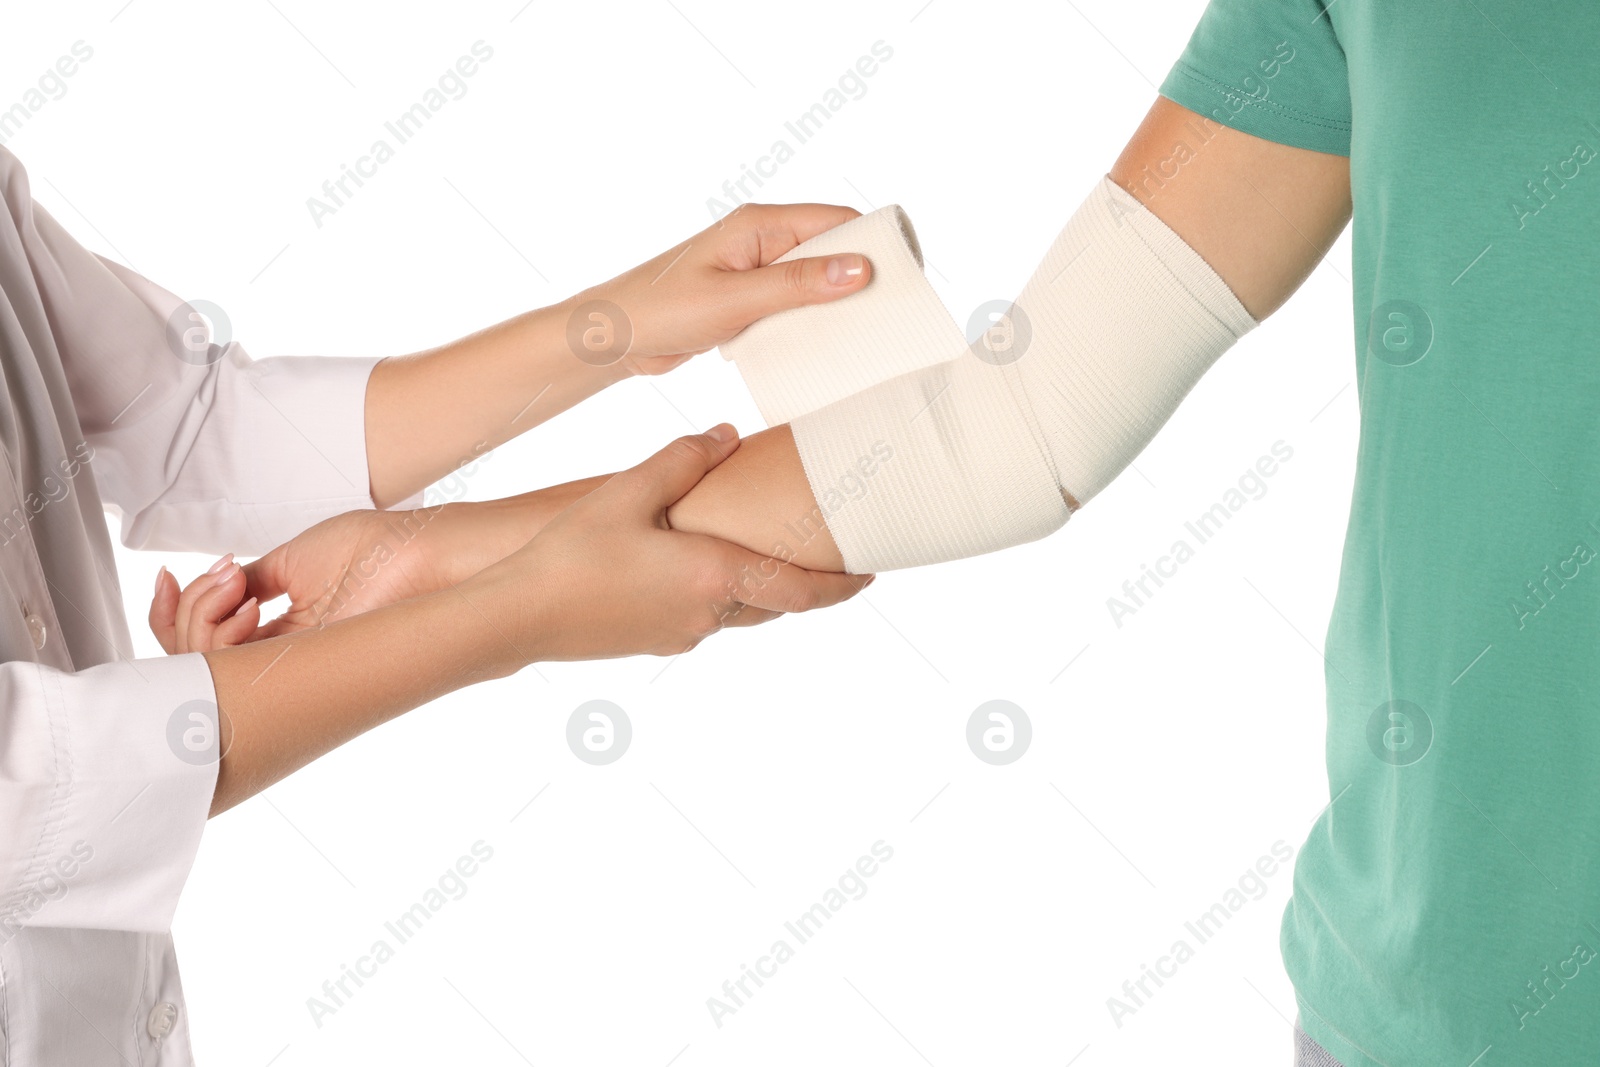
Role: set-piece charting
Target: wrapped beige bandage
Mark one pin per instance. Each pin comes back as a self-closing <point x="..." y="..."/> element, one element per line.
<point x="802" y="359"/>
<point x="978" y="450"/>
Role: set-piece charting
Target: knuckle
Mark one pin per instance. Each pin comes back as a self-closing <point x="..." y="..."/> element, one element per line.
<point x="804" y="598"/>
<point x="688" y="449"/>
<point x="794" y="278"/>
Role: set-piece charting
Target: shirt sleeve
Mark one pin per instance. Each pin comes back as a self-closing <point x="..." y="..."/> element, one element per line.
<point x="106" y="781"/>
<point x="1270" y="68"/>
<point x="196" y="445"/>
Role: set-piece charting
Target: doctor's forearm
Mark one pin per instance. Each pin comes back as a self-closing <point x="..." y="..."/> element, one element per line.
<point x="430" y="412"/>
<point x="287" y="700"/>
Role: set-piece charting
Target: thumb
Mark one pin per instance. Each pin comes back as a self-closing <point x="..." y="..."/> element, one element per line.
<point x="799" y="282"/>
<point x="267" y="577"/>
<point x="664" y="478"/>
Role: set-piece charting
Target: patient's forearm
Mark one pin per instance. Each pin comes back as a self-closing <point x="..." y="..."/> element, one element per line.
<point x="759" y="498"/>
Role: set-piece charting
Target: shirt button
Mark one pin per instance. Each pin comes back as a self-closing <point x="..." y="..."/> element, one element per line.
<point x="36" y="628"/>
<point x="162" y="1017"/>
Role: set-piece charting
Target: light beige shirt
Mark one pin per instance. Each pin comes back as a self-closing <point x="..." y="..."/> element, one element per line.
<point x="116" y="397"/>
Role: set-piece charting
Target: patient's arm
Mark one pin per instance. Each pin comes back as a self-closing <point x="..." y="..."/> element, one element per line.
<point x="767" y="503"/>
<point x="1261" y="214"/>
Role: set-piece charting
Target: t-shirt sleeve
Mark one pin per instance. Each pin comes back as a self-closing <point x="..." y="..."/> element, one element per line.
<point x="1270" y="68"/>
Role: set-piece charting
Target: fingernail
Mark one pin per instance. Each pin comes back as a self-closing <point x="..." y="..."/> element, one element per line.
<point x="246" y="606"/>
<point x="221" y="563"/>
<point x="842" y="270"/>
<point x="870" y="579"/>
<point x="721" y="433"/>
<point x="160" y="576"/>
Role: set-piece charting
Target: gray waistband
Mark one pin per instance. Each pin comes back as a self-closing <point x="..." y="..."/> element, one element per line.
<point x="1307" y="1053"/>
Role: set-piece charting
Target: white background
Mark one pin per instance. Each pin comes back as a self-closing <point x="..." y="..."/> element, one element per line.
<point x="1168" y="754"/>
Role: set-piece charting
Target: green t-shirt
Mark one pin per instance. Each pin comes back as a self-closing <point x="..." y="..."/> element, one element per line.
<point x="1446" y="904"/>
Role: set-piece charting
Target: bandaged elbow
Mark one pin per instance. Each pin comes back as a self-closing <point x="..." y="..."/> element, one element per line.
<point x="996" y="445"/>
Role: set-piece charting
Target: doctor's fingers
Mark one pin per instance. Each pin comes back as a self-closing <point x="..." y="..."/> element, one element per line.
<point x="219" y="622"/>
<point x="163" y="616"/>
<point x="768" y="584"/>
<point x="224" y="569"/>
<point x="204" y="603"/>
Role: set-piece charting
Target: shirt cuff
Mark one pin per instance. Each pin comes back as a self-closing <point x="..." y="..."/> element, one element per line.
<point x="277" y="446"/>
<point x="323" y="400"/>
<point x="109" y="781"/>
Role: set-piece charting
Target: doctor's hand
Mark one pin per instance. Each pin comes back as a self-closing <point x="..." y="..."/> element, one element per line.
<point x="340" y="567"/>
<point x="349" y="564"/>
<point x="602" y="547"/>
<point x="609" y="576"/>
<point x="697" y="294"/>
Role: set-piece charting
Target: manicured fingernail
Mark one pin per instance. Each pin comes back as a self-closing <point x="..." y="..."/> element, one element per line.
<point x="842" y="270"/>
<point x="161" y="576"/>
<point x="221" y="563"/>
<point x="721" y="433"/>
<point x="246" y="606"/>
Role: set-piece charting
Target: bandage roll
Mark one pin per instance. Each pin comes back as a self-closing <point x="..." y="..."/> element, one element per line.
<point x="802" y="359"/>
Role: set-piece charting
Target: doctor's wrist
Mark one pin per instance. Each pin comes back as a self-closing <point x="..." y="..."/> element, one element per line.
<point x="473" y="535"/>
